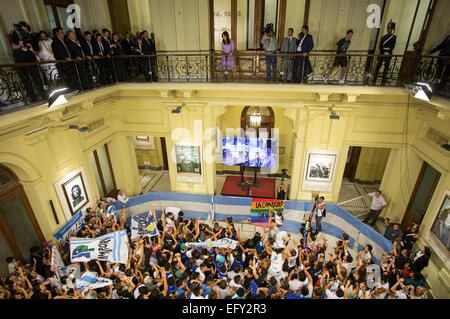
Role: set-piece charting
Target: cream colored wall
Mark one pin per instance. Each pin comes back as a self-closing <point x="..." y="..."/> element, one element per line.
<point x="339" y="17"/>
<point x="94" y="15"/>
<point x="295" y="12"/>
<point x="178" y="25"/>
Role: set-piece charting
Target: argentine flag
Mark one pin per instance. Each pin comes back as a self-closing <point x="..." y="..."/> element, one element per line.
<point x="211" y="210"/>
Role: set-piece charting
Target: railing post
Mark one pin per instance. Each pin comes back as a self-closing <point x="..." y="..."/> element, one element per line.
<point x="114" y="68"/>
<point x="207" y="69"/>
<point x="187" y="68"/>
<point x="78" y="76"/>
<point x="168" y="67"/>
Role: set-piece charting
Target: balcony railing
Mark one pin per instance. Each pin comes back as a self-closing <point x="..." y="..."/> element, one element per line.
<point x="30" y="83"/>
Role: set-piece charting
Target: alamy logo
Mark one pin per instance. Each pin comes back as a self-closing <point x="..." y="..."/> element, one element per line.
<point x="374" y="20"/>
<point x="74" y="18"/>
<point x="82" y="251"/>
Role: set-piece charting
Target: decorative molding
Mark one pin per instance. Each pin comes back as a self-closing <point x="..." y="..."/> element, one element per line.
<point x="323" y="97"/>
<point x="351" y="98"/>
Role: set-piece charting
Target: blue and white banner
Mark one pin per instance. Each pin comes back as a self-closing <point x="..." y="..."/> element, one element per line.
<point x="91" y="280"/>
<point x="221" y="243"/>
<point x="143" y="226"/>
<point x="111" y="211"/>
<point x="111" y="247"/>
<point x="72" y="227"/>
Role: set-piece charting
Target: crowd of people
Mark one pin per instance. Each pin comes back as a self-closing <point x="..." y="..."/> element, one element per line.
<point x="87" y="50"/>
<point x="271" y="265"/>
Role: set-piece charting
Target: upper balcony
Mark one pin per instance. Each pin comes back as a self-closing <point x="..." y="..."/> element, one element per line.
<point x="28" y="84"/>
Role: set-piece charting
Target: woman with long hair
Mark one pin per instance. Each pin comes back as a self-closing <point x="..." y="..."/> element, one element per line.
<point x="46" y="54"/>
<point x="227" y="54"/>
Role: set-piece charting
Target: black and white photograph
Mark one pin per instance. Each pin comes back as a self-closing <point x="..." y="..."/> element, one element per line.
<point x="320" y="167"/>
<point x="75" y="193"/>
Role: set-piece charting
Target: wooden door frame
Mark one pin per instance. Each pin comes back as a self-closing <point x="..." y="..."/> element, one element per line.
<point x="351" y="172"/>
<point x="414" y="193"/>
<point x="112" y="193"/>
<point x="8" y="192"/>
<point x="164" y="153"/>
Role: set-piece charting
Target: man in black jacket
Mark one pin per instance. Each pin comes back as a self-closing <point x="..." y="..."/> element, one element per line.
<point x="61" y="51"/>
<point x="76" y="51"/>
<point x="102" y="65"/>
<point x="148" y="49"/>
<point x="302" y="66"/>
<point x="119" y="62"/>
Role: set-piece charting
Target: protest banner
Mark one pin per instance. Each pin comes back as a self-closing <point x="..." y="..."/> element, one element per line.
<point x="260" y="210"/>
<point x="221" y="243"/>
<point x="91" y="280"/>
<point x="72" y="226"/>
<point x="110" y="247"/>
<point x="143" y="226"/>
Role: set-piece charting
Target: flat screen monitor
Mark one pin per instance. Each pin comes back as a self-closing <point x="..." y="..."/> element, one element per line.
<point x="250" y="152"/>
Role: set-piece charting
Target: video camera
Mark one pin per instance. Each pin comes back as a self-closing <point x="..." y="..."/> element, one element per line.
<point x="267" y="29"/>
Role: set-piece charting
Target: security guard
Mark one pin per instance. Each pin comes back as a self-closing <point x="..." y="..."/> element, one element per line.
<point x="387" y="45"/>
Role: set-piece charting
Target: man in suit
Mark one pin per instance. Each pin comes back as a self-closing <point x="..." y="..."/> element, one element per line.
<point x="387" y="45"/>
<point x="99" y="51"/>
<point x="119" y="61"/>
<point x="88" y="49"/>
<point x="153" y="60"/>
<point x="288" y="46"/>
<point x="127" y="44"/>
<point x="302" y="66"/>
<point x="147" y="49"/>
<point x="107" y="42"/>
<point x="61" y="52"/>
<point x="86" y="44"/>
<point x="76" y="51"/>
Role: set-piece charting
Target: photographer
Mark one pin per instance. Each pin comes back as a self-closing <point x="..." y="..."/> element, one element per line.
<point x="24" y="52"/>
<point x="270" y="45"/>
<point x="319" y="211"/>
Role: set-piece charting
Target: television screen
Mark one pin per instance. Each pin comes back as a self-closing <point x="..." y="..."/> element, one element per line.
<point x="235" y="151"/>
<point x="250" y="152"/>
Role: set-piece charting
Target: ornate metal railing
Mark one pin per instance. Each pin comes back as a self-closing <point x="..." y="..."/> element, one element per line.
<point x="29" y="83"/>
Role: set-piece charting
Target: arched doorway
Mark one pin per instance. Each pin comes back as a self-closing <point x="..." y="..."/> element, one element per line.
<point x="262" y="119"/>
<point x="19" y="229"/>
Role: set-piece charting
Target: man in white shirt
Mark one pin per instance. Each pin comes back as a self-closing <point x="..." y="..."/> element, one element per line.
<point x="174" y="210"/>
<point x="377" y="205"/>
<point x="121" y="197"/>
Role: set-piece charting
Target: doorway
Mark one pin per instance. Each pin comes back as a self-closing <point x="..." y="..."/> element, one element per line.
<point x="19" y="229"/>
<point x="153" y="165"/>
<point x="421" y="196"/>
<point x="104" y="175"/>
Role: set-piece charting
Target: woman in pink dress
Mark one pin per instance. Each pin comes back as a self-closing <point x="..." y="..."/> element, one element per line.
<point x="227" y="54"/>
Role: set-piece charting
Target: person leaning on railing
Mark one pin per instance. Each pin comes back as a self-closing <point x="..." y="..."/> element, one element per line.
<point x="24" y="52"/>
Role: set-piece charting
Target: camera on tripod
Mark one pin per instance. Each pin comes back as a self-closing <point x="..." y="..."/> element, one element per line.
<point x="267" y="29"/>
